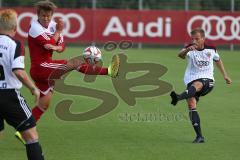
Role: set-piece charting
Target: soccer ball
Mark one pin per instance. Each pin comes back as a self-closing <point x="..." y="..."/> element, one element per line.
<point x="92" y="55"/>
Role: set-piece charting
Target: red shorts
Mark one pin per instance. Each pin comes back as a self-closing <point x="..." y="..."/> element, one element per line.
<point x="41" y="74"/>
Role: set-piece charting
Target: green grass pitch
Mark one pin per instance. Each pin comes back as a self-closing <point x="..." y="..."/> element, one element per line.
<point x="115" y="137"/>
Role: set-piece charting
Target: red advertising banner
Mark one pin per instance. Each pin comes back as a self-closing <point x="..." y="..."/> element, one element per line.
<point x="147" y="26"/>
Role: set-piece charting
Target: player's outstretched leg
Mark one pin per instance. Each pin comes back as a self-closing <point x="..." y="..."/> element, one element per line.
<point x="113" y="68"/>
<point x="188" y="93"/>
<point x="89" y="69"/>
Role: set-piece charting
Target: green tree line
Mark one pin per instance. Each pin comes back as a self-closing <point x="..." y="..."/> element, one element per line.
<point x="224" y="5"/>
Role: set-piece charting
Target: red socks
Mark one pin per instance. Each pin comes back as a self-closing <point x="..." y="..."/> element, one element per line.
<point x="37" y="112"/>
<point x="92" y="70"/>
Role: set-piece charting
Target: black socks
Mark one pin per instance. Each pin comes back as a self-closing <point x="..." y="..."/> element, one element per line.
<point x="34" y="151"/>
<point x="194" y="117"/>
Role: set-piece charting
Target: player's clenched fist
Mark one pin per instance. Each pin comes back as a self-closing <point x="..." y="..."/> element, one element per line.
<point x="228" y="80"/>
<point x="191" y="48"/>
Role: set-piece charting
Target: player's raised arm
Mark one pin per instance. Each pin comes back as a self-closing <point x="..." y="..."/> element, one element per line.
<point x="182" y="54"/>
<point x="58" y="37"/>
<point x="59" y="29"/>
<point x="220" y="66"/>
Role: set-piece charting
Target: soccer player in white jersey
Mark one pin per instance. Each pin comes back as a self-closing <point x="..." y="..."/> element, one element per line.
<point x="198" y="76"/>
<point x="13" y="108"/>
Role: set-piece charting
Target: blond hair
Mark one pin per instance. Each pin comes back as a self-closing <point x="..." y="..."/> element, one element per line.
<point x="8" y="19"/>
<point x="46" y="6"/>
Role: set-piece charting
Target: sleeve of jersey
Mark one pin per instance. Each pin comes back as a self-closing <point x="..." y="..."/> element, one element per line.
<point x="18" y="59"/>
<point x="216" y="56"/>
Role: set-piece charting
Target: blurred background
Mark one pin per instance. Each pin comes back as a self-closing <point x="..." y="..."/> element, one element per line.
<point x="220" y="5"/>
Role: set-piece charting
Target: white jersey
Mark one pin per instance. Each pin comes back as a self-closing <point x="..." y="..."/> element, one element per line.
<point x="37" y="29"/>
<point x="200" y="64"/>
<point x="11" y="57"/>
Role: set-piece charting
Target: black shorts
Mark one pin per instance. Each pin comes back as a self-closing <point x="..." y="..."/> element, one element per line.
<point x="208" y="85"/>
<point x="15" y="111"/>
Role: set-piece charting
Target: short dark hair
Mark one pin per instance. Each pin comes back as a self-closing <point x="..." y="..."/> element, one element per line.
<point x="45" y="6"/>
<point x="198" y="30"/>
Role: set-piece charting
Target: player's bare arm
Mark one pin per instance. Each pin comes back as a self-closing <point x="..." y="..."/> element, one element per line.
<point x="57" y="48"/>
<point x="59" y="29"/>
<point x="220" y="66"/>
<point x="56" y="37"/>
<point x="182" y="54"/>
<point x="23" y="77"/>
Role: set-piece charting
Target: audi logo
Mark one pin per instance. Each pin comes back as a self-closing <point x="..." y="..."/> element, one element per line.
<point x="66" y="18"/>
<point x="220" y="24"/>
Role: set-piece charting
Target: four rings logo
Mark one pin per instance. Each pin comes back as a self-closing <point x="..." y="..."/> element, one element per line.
<point x="216" y="28"/>
<point x="66" y="18"/>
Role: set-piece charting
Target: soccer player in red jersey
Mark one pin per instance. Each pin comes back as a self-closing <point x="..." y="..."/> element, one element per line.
<point x="45" y="37"/>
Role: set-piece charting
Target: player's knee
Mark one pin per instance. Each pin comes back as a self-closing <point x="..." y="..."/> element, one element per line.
<point x="45" y="101"/>
<point x="30" y="135"/>
<point x="198" y="85"/>
<point x="191" y="103"/>
<point x="191" y="107"/>
<point x="43" y="105"/>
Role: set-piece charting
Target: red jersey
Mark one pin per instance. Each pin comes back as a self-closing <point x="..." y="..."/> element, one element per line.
<point x="38" y="36"/>
<point x="42" y="65"/>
